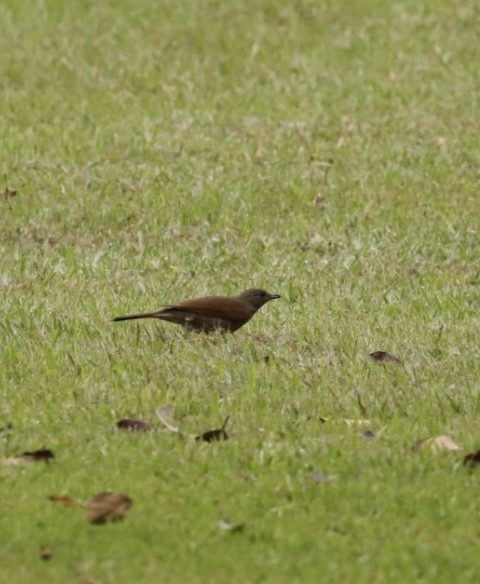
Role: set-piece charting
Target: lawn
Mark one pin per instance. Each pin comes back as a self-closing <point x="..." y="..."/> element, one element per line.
<point x="156" y="151"/>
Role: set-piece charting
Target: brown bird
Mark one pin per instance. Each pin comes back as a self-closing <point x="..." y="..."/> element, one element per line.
<point x="212" y="313"/>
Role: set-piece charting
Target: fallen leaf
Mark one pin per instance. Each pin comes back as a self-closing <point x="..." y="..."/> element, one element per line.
<point x="226" y="525"/>
<point x="43" y="454"/>
<point x="45" y="553"/>
<point x="437" y="444"/>
<point x="445" y="443"/>
<point x="66" y="501"/>
<point x="108" y="507"/>
<point x="472" y="459"/>
<point x="133" y="425"/>
<point x="166" y="415"/>
<point x="384" y="357"/>
<point x="214" y="435"/>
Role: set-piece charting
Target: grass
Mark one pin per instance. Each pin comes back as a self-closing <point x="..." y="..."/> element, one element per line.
<point x="166" y="150"/>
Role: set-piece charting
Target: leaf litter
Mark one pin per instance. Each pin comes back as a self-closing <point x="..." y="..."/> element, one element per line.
<point x="108" y="506"/>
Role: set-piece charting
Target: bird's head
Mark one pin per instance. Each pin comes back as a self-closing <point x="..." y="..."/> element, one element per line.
<point x="257" y="297"/>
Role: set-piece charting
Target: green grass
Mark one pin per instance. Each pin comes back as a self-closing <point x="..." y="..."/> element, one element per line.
<point x="163" y="150"/>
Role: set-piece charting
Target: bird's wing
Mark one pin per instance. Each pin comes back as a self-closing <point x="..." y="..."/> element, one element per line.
<point x="214" y="307"/>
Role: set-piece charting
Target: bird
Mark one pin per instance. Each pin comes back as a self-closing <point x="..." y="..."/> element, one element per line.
<point x="212" y="313"/>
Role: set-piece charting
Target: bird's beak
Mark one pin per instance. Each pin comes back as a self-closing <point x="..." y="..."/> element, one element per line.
<point x="274" y="296"/>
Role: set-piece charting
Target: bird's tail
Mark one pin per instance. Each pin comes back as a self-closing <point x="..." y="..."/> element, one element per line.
<point x="136" y="316"/>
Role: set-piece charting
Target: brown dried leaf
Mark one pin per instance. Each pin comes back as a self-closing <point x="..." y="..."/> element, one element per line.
<point x="66" y="501"/>
<point x="108" y="507"/>
<point x="133" y="425"/>
<point x="320" y="202"/>
<point x="43" y="454"/>
<point x="45" y="553"/>
<point x="384" y="357"/>
<point x="214" y="435"/>
<point x="472" y="459"/>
